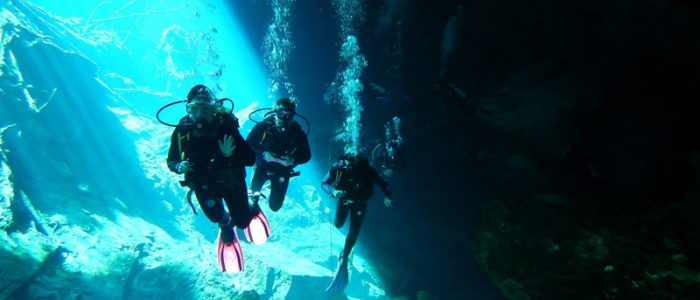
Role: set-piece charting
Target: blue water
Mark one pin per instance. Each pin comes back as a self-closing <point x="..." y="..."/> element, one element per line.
<point x="89" y="209"/>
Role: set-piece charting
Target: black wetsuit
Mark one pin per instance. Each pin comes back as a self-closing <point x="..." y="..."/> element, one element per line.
<point x="214" y="177"/>
<point x="291" y="141"/>
<point x="357" y="181"/>
<point x="385" y="162"/>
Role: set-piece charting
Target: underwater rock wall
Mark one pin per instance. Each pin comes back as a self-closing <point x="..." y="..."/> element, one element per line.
<point x="63" y="140"/>
<point x="64" y="233"/>
<point x="593" y="165"/>
<point x="554" y="247"/>
<point x="576" y="123"/>
<point x="55" y="190"/>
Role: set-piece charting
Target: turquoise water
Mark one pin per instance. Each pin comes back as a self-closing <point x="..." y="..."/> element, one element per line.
<point x="89" y="209"/>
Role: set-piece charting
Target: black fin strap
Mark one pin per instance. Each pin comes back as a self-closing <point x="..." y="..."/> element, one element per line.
<point x="189" y="200"/>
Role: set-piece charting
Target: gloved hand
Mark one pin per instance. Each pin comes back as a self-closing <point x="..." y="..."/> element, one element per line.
<point x="184" y="166"/>
<point x="286" y="161"/>
<point x="267" y="156"/>
<point x="226" y="146"/>
<point x="337" y="194"/>
<point x="388" y="202"/>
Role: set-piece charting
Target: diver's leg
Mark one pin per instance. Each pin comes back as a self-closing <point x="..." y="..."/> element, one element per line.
<point x="341" y="213"/>
<point x="357" y="215"/>
<point x="259" y="178"/>
<point x="238" y="207"/>
<point x="210" y="203"/>
<point x="278" y="189"/>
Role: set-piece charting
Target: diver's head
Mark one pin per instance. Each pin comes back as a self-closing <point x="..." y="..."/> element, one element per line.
<point x="201" y="104"/>
<point x="344" y="163"/>
<point x="284" y="109"/>
<point x="349" y="160"/>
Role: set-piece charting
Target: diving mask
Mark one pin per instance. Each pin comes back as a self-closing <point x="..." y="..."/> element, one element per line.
<point x="201" y="111"/>
<point x="283" y="117"/>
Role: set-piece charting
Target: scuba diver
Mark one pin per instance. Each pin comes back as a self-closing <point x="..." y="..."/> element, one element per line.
<point x="387" y="155"/>
<point x="208" y="149"/>
<point x="351" y="181"/>
<point x="280" y="144"/>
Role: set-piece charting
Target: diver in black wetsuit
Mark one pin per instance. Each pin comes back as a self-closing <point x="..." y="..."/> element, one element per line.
<point x="387" y="156"/>
<point x="280" y="144"/>
<point x="208" y="148"/>
<point x="351" y="181"/>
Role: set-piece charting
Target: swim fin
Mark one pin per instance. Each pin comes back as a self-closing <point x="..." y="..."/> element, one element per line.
<point x="340" y="281"/>
<point x="229" y="254"/>
<point x="259" y="229"/>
